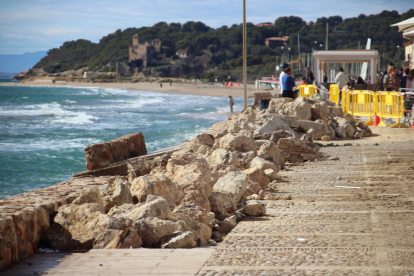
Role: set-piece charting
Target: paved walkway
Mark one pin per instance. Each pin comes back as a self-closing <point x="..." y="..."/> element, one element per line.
<point x="365" y="227"/>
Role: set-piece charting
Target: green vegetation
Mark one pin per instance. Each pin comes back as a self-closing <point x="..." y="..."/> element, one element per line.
<point x="225" y="44"/>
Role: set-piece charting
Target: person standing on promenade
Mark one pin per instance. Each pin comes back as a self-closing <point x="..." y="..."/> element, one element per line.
<point x="288" y="83"/>
<point x="231" y="103"/>
<point x="283" y="66"/>
<point x="400" y="74"/>
<point x="341" y="78"/>
<point x="325" y="77"/>
<point x="309" y="76"/>
<point x="392" y="81"/>
<point x="404" y="78"/>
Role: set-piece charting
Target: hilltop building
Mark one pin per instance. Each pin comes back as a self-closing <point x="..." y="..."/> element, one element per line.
<point x="143" y="51"/>
<point x="182" y="53"/>
<point x="277" y="41"/>
<point x="266" y="24"/>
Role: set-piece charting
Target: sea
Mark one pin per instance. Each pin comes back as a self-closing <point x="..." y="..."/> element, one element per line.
<point x="43" y="130"/>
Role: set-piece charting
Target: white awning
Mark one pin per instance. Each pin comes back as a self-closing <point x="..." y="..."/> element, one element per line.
<point x="405" y="26"/>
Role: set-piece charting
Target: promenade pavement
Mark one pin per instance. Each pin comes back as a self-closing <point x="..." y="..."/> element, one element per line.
<point x="350" y="215"/>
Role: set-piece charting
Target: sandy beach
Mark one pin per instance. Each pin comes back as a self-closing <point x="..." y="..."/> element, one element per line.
<point x="175" y="88"/>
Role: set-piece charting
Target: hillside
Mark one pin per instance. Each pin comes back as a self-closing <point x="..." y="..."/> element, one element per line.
<point x="224" y="45"/>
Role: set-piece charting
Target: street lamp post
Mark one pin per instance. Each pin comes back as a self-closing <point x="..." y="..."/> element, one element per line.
<point x="244" y="56"/>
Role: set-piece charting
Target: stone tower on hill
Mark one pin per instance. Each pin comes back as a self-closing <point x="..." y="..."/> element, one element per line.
<point x="143" y="51"/>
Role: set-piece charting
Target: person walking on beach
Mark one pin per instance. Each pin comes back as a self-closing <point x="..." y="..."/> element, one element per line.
<point x="231" y="103"/>
<point x="288" y="83"/>
<point x="160" y="84"/>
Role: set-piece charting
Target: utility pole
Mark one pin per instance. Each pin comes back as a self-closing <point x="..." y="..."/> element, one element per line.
<point x="327" y="27"/>
<point x="244" y="56"/>
<point x="299" y="52"/>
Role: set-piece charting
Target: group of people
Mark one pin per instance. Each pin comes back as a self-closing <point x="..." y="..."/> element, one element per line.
<point x="394" y="79"/>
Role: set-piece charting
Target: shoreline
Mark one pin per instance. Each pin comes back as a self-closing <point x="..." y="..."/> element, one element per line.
<point x="176" y="88"/>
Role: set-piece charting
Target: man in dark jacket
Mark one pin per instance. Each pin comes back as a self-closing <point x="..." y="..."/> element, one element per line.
<point x="309" y="76"/>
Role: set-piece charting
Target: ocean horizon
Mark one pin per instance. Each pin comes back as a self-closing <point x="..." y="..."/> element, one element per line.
<point x="43" y="130"/>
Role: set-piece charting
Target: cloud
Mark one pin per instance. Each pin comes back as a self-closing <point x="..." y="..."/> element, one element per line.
<point x="49" y="23"/>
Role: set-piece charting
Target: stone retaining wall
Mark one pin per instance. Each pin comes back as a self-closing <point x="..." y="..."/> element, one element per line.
<point x="101" y="155"/>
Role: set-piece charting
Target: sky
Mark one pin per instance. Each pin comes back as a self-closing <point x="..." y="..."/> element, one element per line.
<point x="40" y="25"/>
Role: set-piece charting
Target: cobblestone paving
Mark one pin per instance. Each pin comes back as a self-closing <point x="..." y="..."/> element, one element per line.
<point x="364" y="228"/>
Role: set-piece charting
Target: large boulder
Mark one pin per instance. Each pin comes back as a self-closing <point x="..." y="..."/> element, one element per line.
<point x="197" y="220"/>
<point x="233" y="142"/>
<point x="202" y="143"/>
<point x="245" y="158"/>
<point x="127" y="238"/>
<point x="77" y="226"/>
<point x="258" y="181"/>
<point x="345" y="128"/>
<point x="254" y="208"/>
<point x="116" y="192"/>
<point x="263" y="164"/>
<point x="276" y="135"/>
<point x="181" y="240"/>
<point x="157" y="184"/>
<point x="317" y="128"/>
<point x="155" y="231"/>
<point x="277" y="104"/>
<point x="295" y="150"/>
<point x="272" y="125"/>
<point x="154" y="207"/>
<point x="90" y="195"/>
<point x="193" y="174"/>
<point x="270" y="152"/>
<point x="299" y="108"/>
<point x="101" y="155"/>
<point x="222" y="158"/>
<point x="227" y="192"/>
<point x="320" y="110"/>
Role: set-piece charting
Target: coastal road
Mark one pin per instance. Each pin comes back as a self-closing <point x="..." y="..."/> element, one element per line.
<point x="351" y="215"/>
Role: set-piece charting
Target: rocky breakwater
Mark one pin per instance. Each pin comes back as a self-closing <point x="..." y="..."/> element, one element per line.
<point x="192" y="198"/>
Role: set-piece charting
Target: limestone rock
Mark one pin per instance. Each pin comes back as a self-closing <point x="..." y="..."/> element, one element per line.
<point x="258" y="181"/>
<point x="247" y="133"/>
<point x="317" y="128"/>
<point x="350" y="119"/>
<point x="222" y="157"/>
<point x="269" y="151"/>
<point x="153" y="230"/>
<point x="228" y="224"/>
<point x="77" y="226"/>
<point x="344" y="128"/>
<point x="193" y="174"/>
<point x="271" y="174"/>
<point x="234" y="142"/>
<point x="254" y="208"/>
<point x="157" y="184"/>
<point x="276" y="135"/>
<point x="362" y="125"/>
<point x="90" y="195"/>
<point x="299" y="108"/>
<point x="263" y="164"/>
<point x="155" y="207"/>
<point x="116" y="192"/>
<point x="295" y="150"/>
<point x="272" y="125"/>
<point x="227" y="192"/>
<point x="101" y="155"/>
<point x="338" y="111"/>
<point x="202" y="143"/>
<point x="245" y="158"/>
<point x="197" y="220"/>
<point x="326" y="138"/>
<point x="181" y="240"/>
<point x="278" y="104"/>
<point x="118" y="238"/>
<point x="320" y="110"/>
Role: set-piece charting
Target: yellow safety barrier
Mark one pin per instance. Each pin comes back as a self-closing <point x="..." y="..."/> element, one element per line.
<point x="346" y="94"/>
<point x="391" y="105"/>
<point x="363" y="103"/>
<point x="334" y="95"/>
<point x="307" y="90"/>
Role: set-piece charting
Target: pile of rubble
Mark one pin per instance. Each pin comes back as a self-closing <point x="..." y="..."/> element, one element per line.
<point x="200" y="192"/>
